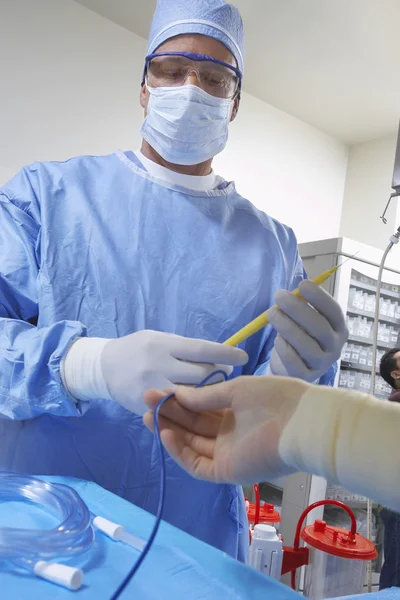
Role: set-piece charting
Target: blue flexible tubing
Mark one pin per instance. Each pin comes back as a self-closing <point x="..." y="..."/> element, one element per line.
<point x="71" y="537"/>
<point x="157" y="523"/>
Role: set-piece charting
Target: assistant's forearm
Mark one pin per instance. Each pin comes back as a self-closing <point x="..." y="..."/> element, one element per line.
<point x="349" y="438"/>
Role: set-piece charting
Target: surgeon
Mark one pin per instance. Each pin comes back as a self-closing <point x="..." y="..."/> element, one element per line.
<point x="122" y="273"/>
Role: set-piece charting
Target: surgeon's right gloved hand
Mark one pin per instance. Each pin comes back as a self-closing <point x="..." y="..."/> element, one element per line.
<point x="123" y="369"/>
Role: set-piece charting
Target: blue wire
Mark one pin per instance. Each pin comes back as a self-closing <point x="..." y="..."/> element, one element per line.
<point x="161" y="500"/>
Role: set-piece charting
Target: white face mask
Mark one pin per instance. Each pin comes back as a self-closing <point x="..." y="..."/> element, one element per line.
<point x="185" y="125"/>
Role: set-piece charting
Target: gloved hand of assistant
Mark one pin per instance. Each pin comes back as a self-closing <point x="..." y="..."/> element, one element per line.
<point x="311" y="333"/>
<point x="228" y="432"/>
<point x="123" y="369"/>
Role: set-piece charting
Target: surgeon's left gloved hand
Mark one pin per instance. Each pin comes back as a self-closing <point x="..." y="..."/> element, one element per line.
<point x="311" y="333"/>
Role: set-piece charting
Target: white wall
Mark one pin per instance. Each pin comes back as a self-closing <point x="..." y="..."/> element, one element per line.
<point x="291" y="170"/>
<point x="368" y="187"/>
<point x="70" y="84"/>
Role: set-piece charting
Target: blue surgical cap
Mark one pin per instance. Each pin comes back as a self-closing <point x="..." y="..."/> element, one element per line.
<point x="214" y="18"/>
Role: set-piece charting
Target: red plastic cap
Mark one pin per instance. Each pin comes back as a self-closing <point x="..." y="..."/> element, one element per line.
<point x="338" y="542"/>
<point x="268" y="514"/>
<point x="319" y="526"/>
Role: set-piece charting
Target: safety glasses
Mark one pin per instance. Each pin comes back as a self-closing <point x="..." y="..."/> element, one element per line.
<point x="172" y="69"/>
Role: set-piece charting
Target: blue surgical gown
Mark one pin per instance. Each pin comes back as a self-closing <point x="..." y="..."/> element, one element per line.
<point x="95" y="246"/>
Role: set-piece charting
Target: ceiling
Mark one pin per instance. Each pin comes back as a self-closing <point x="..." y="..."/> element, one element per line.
<point x="334" y="64"/>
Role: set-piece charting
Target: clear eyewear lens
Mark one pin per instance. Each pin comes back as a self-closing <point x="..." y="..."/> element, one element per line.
<point x="172" y="71"/>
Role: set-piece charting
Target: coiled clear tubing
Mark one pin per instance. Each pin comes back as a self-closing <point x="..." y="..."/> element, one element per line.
<point x="74" y="535"/>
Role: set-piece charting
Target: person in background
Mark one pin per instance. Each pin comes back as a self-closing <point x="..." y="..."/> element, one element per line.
<point x="390" y="574"/>
<point x="390" y="371"/>
<point x="125" y="272"/>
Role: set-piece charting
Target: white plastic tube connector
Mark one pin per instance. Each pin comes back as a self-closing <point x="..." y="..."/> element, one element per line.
<point x="118" y="533"/>
<point x="64" y="575"/>
<point x="266" y="552"/>
<point x="110" y="529"/>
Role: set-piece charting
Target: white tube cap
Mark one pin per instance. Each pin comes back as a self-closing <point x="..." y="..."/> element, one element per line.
<point x="112" y="530"/>
<point x="264" y="532"/>
<point x="118" y="533"/>
<point x="63" y="575"/>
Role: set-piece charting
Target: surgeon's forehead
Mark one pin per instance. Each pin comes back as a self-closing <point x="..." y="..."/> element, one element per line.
<point x="200" y="44"/>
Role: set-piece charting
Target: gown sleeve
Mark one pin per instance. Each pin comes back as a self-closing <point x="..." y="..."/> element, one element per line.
<point x="349" y="438"/>
<point x="30" y="356"/>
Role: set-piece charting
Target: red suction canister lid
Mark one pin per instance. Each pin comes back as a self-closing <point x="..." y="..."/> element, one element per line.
<point x="268" y="514"/>
<point x="339" y="542"/>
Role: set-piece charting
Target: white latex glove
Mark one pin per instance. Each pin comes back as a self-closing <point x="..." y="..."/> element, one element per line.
<point x="239" y="441"/>
<point x="311" y="334"/>
<point x="123" y="369"/>
<point x="264" y="427"/>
